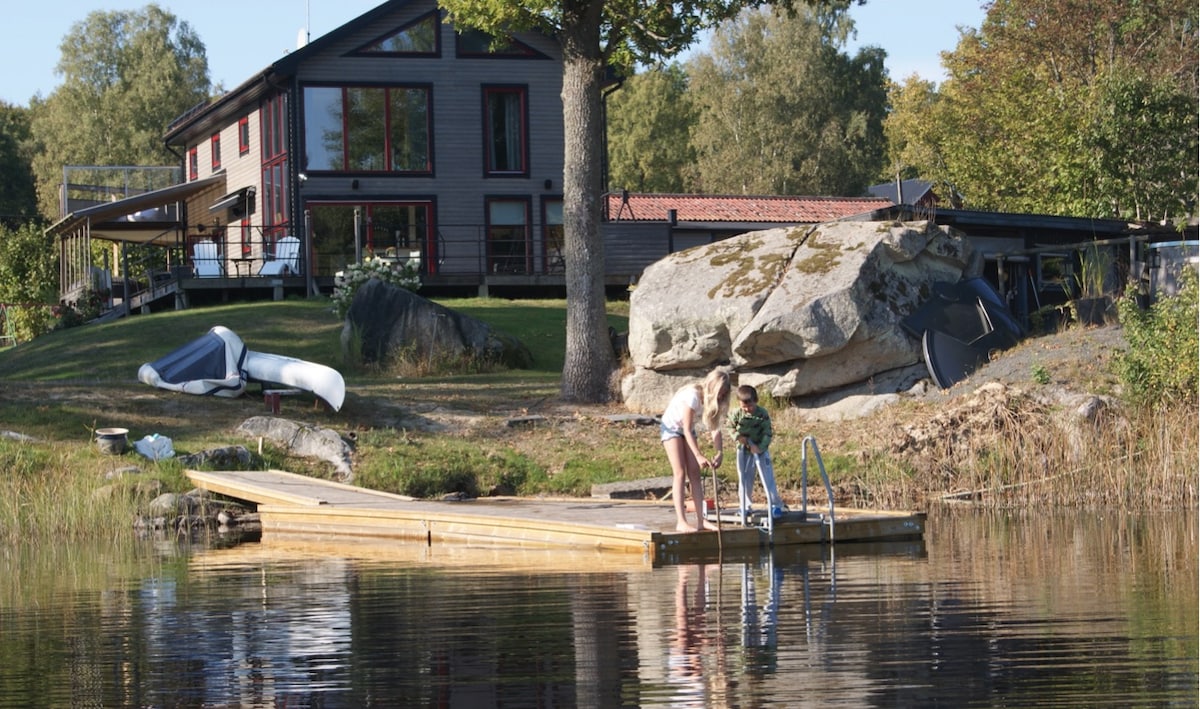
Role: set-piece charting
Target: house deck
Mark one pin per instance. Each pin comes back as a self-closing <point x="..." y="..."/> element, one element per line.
<point x="298" y="505"/>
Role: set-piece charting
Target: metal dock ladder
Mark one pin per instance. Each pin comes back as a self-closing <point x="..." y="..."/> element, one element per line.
<point x="804" y="446"/>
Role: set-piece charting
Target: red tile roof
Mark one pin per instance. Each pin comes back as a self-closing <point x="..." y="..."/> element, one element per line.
<point x="735" y="208"/>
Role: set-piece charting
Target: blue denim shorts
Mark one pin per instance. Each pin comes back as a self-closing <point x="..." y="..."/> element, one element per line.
<point x="666" y="433"/>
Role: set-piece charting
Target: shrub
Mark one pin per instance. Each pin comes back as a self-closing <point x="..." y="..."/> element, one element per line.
<point x="399" y="275"/>
<point x="86" y="309"/>
<point x="1160" y="364"/>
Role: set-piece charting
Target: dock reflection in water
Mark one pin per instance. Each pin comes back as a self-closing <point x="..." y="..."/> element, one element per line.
<point x="1078" y="610"/>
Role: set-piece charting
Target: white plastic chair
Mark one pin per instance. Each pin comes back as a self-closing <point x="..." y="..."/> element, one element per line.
<point x="206" y="259"/>
<point x="287" y="258"/>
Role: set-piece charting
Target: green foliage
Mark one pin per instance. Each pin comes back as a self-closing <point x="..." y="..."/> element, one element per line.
<point x="125" y="75"/>
<point x="1039" y="374"/>
<point x="18" y="199"/>
<point x="1160" y="365"/>
<point x="84" y="310"/>
<point x="649" y="121"/>
<point x="28" y="279"/>
<point x="782" y="110"/>
<point x="1095" y="266"/>
<point x="1144" y="130"/>
<point x="432" y="466"/>
<point x="400" y="275"/>
<point x="1060" y="107"/>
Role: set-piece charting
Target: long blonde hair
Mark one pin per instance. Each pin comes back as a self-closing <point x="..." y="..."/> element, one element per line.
<point x="715" y="392"/>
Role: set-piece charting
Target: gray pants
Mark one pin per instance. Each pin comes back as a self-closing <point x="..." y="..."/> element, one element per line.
<point x="749" y="466"/>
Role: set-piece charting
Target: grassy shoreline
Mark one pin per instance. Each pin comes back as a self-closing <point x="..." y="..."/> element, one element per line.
<point x="432" y="434"/>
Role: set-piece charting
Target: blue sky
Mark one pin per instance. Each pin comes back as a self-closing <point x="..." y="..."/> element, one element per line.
<point x="912" y="33"/>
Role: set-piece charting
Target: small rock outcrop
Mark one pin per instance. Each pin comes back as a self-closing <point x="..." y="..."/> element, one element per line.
<point x="385" y="321"/>
<point x="303" y="440"/>
<point x="793" y="311"/>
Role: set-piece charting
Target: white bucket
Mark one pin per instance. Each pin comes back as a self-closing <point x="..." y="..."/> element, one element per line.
<point x="112" y="441"/>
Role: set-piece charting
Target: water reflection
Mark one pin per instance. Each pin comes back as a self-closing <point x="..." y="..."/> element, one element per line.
<point x="1073" y="610"/>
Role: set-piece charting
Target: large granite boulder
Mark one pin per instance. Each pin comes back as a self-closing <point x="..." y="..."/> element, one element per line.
<point x="793" y="311"/>
<point x="384" y="321"/>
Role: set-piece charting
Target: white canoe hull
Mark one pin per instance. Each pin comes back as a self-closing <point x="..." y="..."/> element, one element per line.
<point x="325" y="382"/>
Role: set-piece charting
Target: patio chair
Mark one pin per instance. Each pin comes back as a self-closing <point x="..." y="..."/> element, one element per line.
<point x="287" y="257"/>
<point x="206" y="259"/>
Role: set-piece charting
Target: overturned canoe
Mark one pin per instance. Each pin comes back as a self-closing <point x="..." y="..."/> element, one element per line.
<point x="325" y="382"/>
<point x="219" y="364"/>
<point x="210" y="365"/>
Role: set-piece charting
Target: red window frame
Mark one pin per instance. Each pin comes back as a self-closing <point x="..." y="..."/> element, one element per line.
<point x="521" y="134"/>
<point x="507" y="254"/>
<point x="215" y="142"/>
<point x="389" y="164"/>
<point x="275" y="194"/>
<point x="194" y="162"/>
<point x="243" y="135"/>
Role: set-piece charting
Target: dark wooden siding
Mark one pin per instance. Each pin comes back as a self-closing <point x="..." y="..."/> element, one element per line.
<point x="458" y="185"/>
<point x="630" y="247"/>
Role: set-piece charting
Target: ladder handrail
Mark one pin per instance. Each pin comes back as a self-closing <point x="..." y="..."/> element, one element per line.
<point x="804" y="478"/>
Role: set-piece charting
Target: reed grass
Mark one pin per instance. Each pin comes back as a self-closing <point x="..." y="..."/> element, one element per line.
<point x="1016" y="452"/>
<point x="55" y="491"/>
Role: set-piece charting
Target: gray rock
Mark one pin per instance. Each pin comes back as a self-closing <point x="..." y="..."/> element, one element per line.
<point x="303" y="440"/>
<point x="170" y="504"/>
<point x="122" y="472"/>
<point x="799" y="311"/>
<point x="384" y="321"/>
<point x="226" y="457"/>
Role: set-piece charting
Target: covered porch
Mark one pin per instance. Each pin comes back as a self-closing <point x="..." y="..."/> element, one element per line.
<point x="155" y="248"/>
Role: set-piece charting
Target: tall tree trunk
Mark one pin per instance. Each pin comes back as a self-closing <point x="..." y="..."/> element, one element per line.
<point x="589" y="356"/>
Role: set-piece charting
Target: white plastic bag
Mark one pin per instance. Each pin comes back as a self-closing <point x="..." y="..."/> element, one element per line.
<point x="155" y="447"/>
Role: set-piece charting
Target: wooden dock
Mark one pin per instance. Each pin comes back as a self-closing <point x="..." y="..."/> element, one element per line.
<point x="290" y="504"/>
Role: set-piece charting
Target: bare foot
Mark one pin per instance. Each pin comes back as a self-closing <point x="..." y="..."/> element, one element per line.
<point x="685" y="528"/>
<point x="710" y="526"/>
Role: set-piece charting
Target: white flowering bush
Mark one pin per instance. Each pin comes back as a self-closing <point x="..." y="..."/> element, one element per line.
<point x="347" y="284"/>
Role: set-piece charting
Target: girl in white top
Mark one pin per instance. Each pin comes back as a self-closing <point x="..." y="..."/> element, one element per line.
<point x="709" y="401"/>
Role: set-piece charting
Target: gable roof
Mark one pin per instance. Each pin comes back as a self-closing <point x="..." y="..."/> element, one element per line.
<point x="913" y="191"/>
<point x="620" y="206"/>
<point x="271" y="77"/>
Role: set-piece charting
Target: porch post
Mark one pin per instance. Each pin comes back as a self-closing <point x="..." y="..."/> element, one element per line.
<point x="357" y="235"/>
<point x="310" y="280"/>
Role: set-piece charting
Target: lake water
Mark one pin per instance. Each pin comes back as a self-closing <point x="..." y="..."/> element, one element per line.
<point x="1096" y="609"/>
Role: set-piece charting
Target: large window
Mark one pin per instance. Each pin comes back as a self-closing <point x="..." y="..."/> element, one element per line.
<point x="477" y="43"/>
<point x="399" y="232"/>
<point x="417" y="38"/>
<point x="367" y="129"/>
<point x="505" y="130"/>
<point x="276" y="208"/>
<point x="508" y="235"/>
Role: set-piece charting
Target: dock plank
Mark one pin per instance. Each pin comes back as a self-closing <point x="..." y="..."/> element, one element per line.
<point x="299" y="505"/>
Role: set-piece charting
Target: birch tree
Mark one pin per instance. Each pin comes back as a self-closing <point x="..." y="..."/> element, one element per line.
<point x="126" y="76"/>
<point x="783" y="110"/>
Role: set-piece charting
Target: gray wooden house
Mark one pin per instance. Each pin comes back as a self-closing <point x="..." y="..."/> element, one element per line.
<point x="393" y="137"/>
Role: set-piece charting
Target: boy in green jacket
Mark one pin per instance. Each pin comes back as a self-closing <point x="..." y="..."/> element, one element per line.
<point x="751" y="426"/>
